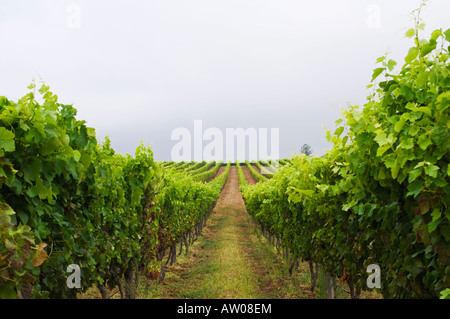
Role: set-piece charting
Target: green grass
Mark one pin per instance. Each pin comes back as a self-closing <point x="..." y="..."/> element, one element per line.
<point x="231" y="260"/>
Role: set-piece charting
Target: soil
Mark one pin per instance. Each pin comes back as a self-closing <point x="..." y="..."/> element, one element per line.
<point x="220" y="171"/>
<point x="248" y="175"/>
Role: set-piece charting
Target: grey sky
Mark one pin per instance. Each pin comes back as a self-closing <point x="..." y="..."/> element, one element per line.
<point x="136" y="70"/>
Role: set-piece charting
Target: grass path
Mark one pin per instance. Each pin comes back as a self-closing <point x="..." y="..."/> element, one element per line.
<point x="230" y="260"/>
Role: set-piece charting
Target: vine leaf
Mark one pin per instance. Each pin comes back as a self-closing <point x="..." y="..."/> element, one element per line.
<point x="40" y="256"/>
<point x="412" y="55"/>
<point x="447" y="35"/>
<point x="7" y="140"/>
<point x="410" y="33"/>
<point x="376" y="73"/>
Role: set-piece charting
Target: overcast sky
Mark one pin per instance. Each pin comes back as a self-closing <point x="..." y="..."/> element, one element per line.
<point x="137" y="70"/>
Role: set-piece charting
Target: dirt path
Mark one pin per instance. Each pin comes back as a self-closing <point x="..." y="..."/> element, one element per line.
<point x="256" y="168"/>
<point x="230" y="260"/>
<point x="230" y="198"/>
<point x="220" y="171"/>
<point x="248" y="175"/>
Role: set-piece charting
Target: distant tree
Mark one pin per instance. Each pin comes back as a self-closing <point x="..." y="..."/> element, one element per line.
<point x="306" y="149"/>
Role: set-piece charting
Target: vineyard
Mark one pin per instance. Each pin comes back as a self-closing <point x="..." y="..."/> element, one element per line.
<point x="380" y="195"/>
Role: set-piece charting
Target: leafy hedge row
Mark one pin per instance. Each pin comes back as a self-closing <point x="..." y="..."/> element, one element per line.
<point x="256" y="176"/>
<point x="207" y="175"/>
<point x="67" y="199"/>
<point x="195" y="166"/>
<point x="381" y="195"/>
<point x="268" y="169"/>
<point x="202" y="168"/>
<point x="242" y="180"/>
<point x="184" y="202"/>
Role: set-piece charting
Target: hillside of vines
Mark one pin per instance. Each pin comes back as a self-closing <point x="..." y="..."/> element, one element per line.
<point x="67" y="198"/>
<point x="381" y="195"/>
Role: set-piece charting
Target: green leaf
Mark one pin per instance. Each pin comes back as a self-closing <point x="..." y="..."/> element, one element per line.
<point x="422" y="109"/>
<point x="339" y="131"/>
<point x="440" y="135"/>
<point x="8" y="290"/>
<point x="376" y="73"/>
<point x="23" y="125"/>
<point x="382" y="149"/>
<point x="52" y="145"/>
<point x="445" y="294"/>
<point x="433" y="225"/>
<point x="413" y="130"/>
<point x="44" y="88"/>
<point x="402" y="158"/>
<point x="440" y="181"/>
<point x="414" y="174"/>
<point x="436" y="34"/>
<point x="32" y="169"/>
<point x="431" y="170"/>
<point x="42" y="190"/>
<point x="428" y="47"/>
<point x="424" y="141"/>
<point x="359" y="210"/>
<point x="407" y="143"/>
<point x="391" y="64"/>
<point x="447" y="35"/>
<point x="394" y="171"/>
<point x="347" y="206"/>
<point x="32" y="191"/>
<point x="381" y="138"/>
<point x="23" y="217"/>
<point x="412" y="55"/>
<point x="33" y="135"/>
<point x="381" y="59"/>
<point x="406" y="91"/>
<point x="390" y="161"/>
<point x="7" y="173"/>
<point x="420" y="164"/>
<point x="415" y="188"/>
<point x="76" y="155"/>
<point x="293" y="191"/>
<point x="43" y="230"/>
<point x="7" y="140"/>
<point x="410" y="33"/>
<point x="436" y="214"/>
